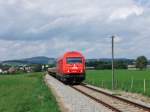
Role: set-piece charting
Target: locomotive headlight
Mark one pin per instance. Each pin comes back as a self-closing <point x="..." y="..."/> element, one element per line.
<point x="80" y="70"/>
<point x="68" y="71"/>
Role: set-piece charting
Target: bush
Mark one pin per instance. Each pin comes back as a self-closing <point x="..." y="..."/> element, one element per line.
<point x="37" y="68"/>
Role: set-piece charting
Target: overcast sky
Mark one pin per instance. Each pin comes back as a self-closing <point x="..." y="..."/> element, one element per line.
<point x="50" y="27"/>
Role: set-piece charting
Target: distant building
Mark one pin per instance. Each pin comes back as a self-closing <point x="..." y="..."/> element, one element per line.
<point x="28" y="69"/>
<point x="148" y="66"/>
<point x="11" y="70"/>
<point x="90" y="68"/>
<point x="5" y="72"/>
<point x="131" y="67"/>
<point x="25" y="68"/>
<point x="1" y="71"/>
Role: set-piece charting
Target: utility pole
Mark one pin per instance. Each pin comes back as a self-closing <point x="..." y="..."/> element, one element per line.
<point x="113" y="77"/>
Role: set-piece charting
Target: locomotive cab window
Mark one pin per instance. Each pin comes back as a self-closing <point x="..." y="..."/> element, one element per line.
<point x="74" y="60"/>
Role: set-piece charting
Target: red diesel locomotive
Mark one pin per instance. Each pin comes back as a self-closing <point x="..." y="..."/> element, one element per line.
<point x="70" y="67"/>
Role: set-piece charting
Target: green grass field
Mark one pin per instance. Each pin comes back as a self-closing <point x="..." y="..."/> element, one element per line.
<point x="26" y="93"/>
<point x="128" y="80"/>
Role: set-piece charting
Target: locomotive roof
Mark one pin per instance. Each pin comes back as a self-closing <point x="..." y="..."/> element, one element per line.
<point x="71" y="53"/>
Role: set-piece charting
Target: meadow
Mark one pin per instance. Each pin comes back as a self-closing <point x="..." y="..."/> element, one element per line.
<point x="127" y="80"/>
<point x="26" y="93"/>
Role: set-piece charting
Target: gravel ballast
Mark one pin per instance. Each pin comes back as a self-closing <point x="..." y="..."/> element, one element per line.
<point x="71" y="100"/>
<point x="134" y="97"/>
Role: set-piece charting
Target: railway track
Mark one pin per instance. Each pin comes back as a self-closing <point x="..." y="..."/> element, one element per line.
<point x="112" y="102"/>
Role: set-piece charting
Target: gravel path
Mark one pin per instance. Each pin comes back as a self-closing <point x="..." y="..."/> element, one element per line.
<point x="71" y="100"/>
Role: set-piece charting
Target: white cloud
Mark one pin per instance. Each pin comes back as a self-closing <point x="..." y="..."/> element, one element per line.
<point x="125" y="12"/>
<point x="51" y="27"/>
<point x="16" y="49"/>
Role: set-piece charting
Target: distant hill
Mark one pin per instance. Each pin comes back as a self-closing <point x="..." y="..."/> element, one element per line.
<point x="33" y="60"/>
<point x="46" y="60"/>
<point x="40" y="60"/>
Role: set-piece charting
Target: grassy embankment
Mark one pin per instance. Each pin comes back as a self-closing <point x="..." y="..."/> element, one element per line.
<point x="127" y="80"/>
<point x="26" y="93"/>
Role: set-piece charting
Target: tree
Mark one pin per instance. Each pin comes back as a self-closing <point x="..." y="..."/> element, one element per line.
<point x="119" y="64"/>
<point x="141" y="62"/>
<point x="37" y="68"/>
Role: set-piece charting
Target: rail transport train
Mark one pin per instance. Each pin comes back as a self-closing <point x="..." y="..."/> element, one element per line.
<point x="70" y="68"/>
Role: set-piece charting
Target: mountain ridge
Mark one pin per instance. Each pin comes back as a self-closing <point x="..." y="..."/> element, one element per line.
<point x="32" y="60"/>
<point x="48" y="60"/>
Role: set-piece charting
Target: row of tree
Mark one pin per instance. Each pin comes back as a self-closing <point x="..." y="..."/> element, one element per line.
<point x="140" y="63"/>
<point x="107" y="65"/>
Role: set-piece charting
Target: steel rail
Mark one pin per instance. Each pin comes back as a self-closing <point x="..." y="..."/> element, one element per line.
<point x="97" y="100"/>
<point x="119" y="98"/>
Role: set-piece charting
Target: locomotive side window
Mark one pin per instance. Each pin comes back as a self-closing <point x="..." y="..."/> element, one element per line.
<point x="74" y="60"/>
